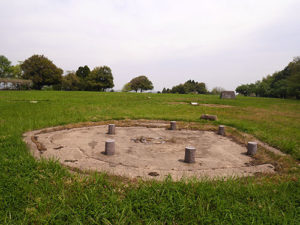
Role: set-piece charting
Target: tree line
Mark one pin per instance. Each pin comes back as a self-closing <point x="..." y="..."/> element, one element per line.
<point x="281" y="84"/>
<point x="189" y="86"/>
<point x="42" y="73"/>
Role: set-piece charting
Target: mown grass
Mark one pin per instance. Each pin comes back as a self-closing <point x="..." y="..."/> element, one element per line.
<point x="44" y="192"/>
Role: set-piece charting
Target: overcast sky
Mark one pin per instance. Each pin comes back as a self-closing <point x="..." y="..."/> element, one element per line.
<point x="220" y="42"/>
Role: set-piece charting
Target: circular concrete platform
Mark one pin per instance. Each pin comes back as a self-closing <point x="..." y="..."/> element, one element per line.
<point x="148" y="152"/>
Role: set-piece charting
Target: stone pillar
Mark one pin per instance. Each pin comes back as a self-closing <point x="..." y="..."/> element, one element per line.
<point x="173" y="125"/>
<point x="221" y="130"/>
<point x="189" y="156"/>
<point x="110" y="147"/>
<point x="251" y="148"/>
<point x="111" y="129"/>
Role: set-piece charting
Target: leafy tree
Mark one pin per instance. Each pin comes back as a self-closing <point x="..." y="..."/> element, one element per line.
<point x="189" y="86"/>
<point x="5" y="67"/>
<point x="164" y="90"/>
<point x="141" y="83"/>
<point x="71" y="82"/>
<point x="281" y="84"/>
<point x="41" y="71"/>
<point x="192" y="86"/>
<point x="294" y="78"/>
<point x="294" y="85"/>
<point x="126" y="88"/>
<point x="83" y="71"/>
<point x="280" y="88"/>
<point x="243" y="89"/>
<point x="263" y="87"/>
<point x="100" y="79"/>
<point x="252" y="89"/>
<point x="16" y="71"/>
<point x="180" y="89"/>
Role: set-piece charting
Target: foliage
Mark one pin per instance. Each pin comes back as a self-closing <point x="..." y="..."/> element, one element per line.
<point x="16" y="71"/>
<point x="294" y="85"/>
<point x="126" y="88"/>
<point x="293" y="81"/>
<point x="281" y="84"/>
<point x="165" y="90"/>
<point x="9" y="71"/>
<point x="100" y="79"/>
<point x="83" y="71"/>
<point x="71" y="82"/>
<point x="141" y="83"/>
<point x="41" y="71"/>
<point x="5" y="67"/>
<point x="189" y="86"/>
<point x="243" y="89"/>
<point x="192" y="86"/>
<point x="180" y="89"/>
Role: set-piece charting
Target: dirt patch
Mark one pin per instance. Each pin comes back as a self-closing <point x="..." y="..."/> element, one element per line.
<point x="216" y="105"/>
<point x="149" y="151"/>
<point x="178" y="103"/>
<point x="206" y="105"/>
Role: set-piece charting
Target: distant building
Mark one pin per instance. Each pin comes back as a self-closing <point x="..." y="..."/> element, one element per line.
<point x="14" y="84"/>
<point x="227" y="95"/>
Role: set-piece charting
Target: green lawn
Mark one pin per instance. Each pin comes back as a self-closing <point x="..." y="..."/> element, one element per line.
<point x="44" y="192"/>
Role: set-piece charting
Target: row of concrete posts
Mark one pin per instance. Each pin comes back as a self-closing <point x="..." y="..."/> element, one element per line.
<point x="190" y="151"/>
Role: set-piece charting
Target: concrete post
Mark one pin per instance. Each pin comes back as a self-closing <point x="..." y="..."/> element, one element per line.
<point x="221" y="130"/>
<point x="173" y="125"/>
<point x="189" y="156"/>
<point x="111" y="129"/>
<point x="110" y="147"/>
<point x="252" y="148"/>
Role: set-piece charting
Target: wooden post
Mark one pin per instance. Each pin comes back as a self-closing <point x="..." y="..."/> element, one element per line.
<point x="110" y="147"/>
<point x="111" y="129"/>
<point x="221" y="130"/>
<point x="173" y="125"/>
<point x="189" y="156"/>
<point x="252" y="148"/>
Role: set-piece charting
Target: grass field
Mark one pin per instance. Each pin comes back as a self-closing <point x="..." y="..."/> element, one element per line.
<point x="44" y="192"/>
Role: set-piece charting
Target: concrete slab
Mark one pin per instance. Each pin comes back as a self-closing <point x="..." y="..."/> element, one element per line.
<point x="149" y="153"/>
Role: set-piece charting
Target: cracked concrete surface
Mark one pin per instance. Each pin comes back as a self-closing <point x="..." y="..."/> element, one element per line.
<point x="149" y="153"/>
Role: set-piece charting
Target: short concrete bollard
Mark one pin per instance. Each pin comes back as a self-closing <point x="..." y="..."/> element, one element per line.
<point x="110" y="147"/>
<point x="111" y="129"/>
<point x="189" y="156"/>
<point x="251" y="148"/>
<point x="173" y="125"/>
<point x="221" y="130"/>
